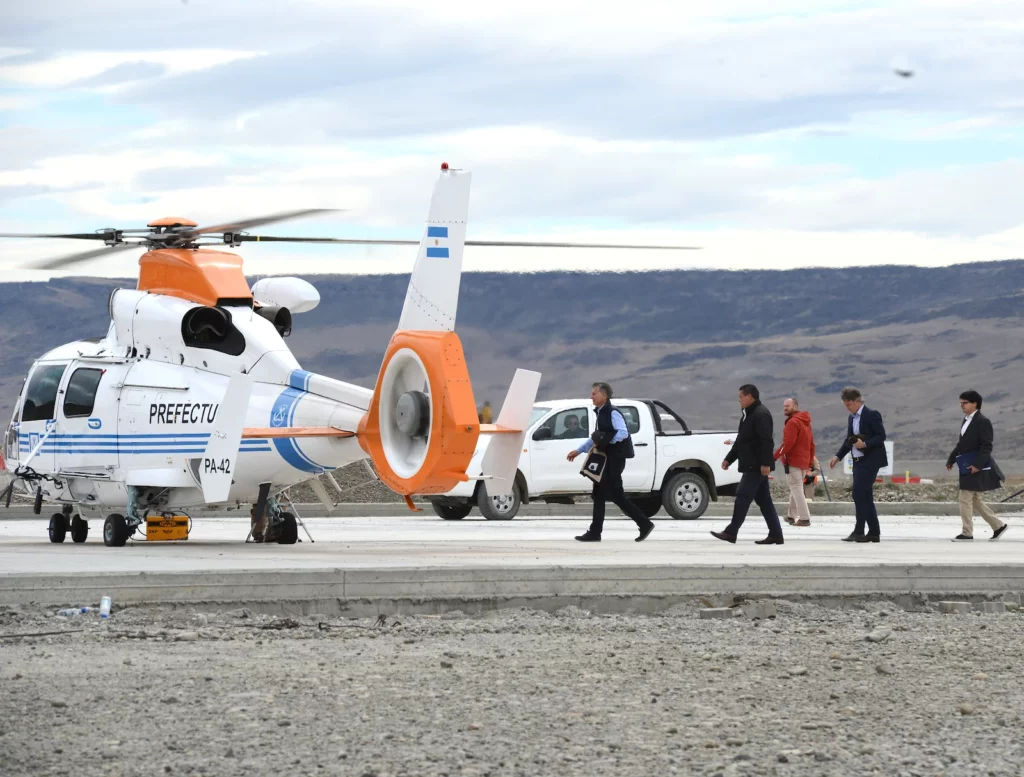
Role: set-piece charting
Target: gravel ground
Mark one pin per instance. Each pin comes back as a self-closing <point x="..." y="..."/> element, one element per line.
<point x="514" y="692"/>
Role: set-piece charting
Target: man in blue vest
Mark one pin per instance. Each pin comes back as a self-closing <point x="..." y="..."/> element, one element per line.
<point x="611" y="438"/>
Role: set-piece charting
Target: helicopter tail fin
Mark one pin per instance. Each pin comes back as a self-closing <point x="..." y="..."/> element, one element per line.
<point x="217" y="466"/>
<point x="501" y="459"/>
<point x="433" y="295"/>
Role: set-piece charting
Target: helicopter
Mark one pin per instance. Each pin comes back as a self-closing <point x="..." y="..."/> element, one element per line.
<point x="193" y="399"/>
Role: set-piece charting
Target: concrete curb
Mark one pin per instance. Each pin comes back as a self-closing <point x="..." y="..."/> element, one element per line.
<point x="716" y="510"/>
<point x="434" y="589"/>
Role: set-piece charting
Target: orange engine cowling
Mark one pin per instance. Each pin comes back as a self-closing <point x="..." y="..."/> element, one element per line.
<point x="421" y="428"/>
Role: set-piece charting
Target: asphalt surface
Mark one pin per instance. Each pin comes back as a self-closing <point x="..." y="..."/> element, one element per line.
<point x="423" y="540"/>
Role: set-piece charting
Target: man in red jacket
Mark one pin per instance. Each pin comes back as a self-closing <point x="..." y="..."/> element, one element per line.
<point x="797" y="454"/>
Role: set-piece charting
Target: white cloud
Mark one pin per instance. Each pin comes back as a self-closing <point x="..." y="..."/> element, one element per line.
<point x="65" y="69"/>
<point x="682" y="122"/>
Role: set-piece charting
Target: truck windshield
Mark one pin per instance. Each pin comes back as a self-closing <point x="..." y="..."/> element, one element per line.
<point x="538" y="413"/>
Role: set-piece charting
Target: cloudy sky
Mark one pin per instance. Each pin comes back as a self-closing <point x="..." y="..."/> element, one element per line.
<point x="771" y="138"/>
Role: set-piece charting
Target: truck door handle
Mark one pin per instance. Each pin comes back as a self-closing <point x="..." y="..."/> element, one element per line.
<point x="641" y="445"/>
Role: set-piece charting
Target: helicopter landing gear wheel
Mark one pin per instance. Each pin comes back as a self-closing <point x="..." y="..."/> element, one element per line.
<point x="58" y="528"/>
<point x="79" y="529"/>
<point x="115" y="531"/>
<point x="287" y="530"/>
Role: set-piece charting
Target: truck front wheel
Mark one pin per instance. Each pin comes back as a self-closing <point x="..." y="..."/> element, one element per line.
<point x="685" y="496"/>
<point x="451" y="512"/>
<point x="649" y="505"/>
<point x="499" y="508"/>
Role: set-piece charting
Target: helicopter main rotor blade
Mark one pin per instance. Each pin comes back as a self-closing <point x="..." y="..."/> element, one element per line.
<point x="486" y="243"/>
<point x="519" y="244"/>
<point x="243" y="224"/>
<point x="72" y="236"/>
<point x="342" y="240"/>
<point x="73" y="259"/>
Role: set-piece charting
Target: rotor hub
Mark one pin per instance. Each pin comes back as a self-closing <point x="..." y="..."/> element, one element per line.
<point x="412" y="413"/>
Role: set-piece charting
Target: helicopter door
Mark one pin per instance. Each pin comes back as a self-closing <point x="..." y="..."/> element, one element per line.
<point x="38" y="409"/>
<point x="86" y="428"/>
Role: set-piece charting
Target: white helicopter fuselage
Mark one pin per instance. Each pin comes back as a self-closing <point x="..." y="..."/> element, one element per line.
<point x="192" y="397"/>
<point x="138" y="407"/>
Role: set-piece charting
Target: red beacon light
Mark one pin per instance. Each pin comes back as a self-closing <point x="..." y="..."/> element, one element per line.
<point x="444" y="165"/>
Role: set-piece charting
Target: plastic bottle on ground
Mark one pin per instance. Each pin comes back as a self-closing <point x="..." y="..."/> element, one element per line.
<point x="105" y="607"/>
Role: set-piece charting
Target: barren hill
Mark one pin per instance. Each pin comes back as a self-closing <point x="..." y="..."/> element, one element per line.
<point x="910" y="338"/>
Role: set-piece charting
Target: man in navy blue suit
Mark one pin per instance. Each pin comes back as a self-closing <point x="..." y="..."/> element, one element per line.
<point x="866" y="439"/>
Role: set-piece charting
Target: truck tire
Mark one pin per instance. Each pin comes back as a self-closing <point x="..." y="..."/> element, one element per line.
<point x="451" y="512"/>
<point x="499" y="508"/>
<point x="685" y="496"/>
<point x="649" y="505"/>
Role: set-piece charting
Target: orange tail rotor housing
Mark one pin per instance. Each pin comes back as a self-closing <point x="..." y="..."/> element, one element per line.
<point x="438" y="459"/>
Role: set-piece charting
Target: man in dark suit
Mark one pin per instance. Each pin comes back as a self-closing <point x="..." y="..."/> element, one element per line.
<point x="754" y="448"/>
<point x="974" y="450"/>
<point x="865" y="437"/>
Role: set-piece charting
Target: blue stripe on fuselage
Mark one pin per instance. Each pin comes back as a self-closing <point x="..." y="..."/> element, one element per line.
<point x="282" y="415"/>
<point x="299" y="379"/>
<point x="437" y="231"/>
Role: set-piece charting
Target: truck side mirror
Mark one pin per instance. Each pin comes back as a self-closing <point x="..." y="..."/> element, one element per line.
<point x="544" y="433"/>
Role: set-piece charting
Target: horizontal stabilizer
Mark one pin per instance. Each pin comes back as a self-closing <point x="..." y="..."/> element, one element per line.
<point x="217" y="466"/>
<point x="496" y="429"/>
<point x="501" y="459"/>
<point x="265" y="432"/>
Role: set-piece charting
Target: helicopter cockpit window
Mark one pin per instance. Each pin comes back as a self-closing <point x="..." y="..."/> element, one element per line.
<point x="41" y="394"/>
<point x="211" y="328"/>
<point x="80" y="396"/>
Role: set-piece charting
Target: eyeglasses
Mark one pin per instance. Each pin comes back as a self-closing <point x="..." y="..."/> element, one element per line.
<point x="963" y="402"/>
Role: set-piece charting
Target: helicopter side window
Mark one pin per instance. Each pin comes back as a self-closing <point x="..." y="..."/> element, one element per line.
<point x="211" y="328"/>
<point x="80" y="396"/>
<point x="41" y="394"/>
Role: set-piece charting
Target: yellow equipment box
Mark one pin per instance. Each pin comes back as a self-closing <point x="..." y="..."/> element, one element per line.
<point x="166" y="528"/>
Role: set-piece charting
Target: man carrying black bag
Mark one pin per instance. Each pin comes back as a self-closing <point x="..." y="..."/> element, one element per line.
<point x="613" y="446"/>
<point x="978" y="470"/>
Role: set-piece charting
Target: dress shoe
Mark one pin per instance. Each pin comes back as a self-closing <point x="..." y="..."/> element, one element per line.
<point x="869" y="538"/>
<point x="790" y="521"/>
<point x="770" y="540"/>
<point x="962" y="538"/>
<point x="852" y="538"/>
<point x="998" y="533"/>
<point x="724" y="536"/>
<point x="645" y="531"/>
<point x="802" y="523"/>
<point x="588" y="537"/>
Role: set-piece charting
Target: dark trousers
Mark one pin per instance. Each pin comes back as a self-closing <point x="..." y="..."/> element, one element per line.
<point x="754" y="487"/>
<point x="864" y="498"/>
<point x="610" y="490"/>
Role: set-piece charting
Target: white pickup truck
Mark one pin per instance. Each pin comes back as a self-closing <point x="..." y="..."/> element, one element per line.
<point x="674" y="467"/>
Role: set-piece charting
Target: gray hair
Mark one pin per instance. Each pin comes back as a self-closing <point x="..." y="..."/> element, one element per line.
<point x="850" y="394"/>
<point x="604" y="388"/>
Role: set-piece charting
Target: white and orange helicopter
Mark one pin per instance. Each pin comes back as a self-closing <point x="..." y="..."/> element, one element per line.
<point x="192" y="397"/>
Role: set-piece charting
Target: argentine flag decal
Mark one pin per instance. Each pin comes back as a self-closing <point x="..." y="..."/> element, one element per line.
<point x="437" y="242"/>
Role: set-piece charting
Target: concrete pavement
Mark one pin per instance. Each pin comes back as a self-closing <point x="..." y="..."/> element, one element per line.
<point x="536" y="509"/>
<point x="375" y="563"/>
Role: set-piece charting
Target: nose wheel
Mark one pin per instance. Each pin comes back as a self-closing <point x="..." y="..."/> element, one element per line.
<point x="58" y="528"/>
<point x="79" y="529"/>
